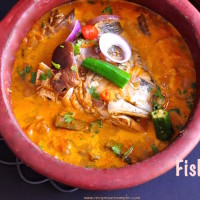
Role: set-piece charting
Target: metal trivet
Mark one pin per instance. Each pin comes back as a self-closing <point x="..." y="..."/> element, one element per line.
<point x="27" y="174"/>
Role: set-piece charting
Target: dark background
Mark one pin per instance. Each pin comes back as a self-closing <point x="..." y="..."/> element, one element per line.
<point x="165" y="187"/>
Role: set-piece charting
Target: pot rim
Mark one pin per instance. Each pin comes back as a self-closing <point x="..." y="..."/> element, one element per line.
<point x="99" y="179"/>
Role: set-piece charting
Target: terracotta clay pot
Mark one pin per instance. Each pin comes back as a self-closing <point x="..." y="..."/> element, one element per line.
<point x="14" y="28"/>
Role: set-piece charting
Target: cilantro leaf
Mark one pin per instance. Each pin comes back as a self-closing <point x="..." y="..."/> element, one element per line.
<point x="21" y="73"/>
<point x="27" y="69"/>
<point x="92" y="91"/>
<point x="42" y="25"/>
<point x="185" y="91"/>
<point x="179" y="91"/>
<point x="158" y="93"/>
<point x="77" y="47"/>
<point x="33" y="77"/>
<point x="94" y="126"/>
<point x="68" y="117"/>
<point x="117" y="149"/>
<point x="49" y="74"/>
<point x="154" y="148"/>
<point x="57" y="66"/>
<point x="43" y="77"/>
<point x="107" y="9"/>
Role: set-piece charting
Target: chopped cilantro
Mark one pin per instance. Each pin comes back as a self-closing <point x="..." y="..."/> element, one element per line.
<point x="43" y="77"/>
<point x="62" y="46"/>
<point x="193" y="86"/>
<point x="99" y="122"/>
<point x="179" y="91"/>
<point x="41" y="146"/>
<point x="190" y="105"/>
<point x="92" y="91"/>
<point x="185" y="91"/>
<point x="158" y="93"/>
<point x="21" y="73"/>
<point x="49" y="74"/>
<point x="175" y="110"/>
<point x="42" y="25"/>
<point x="117" y="149"/>
<point x="77" y="47"/>
<point x="107" y="9"/>
<point x="68" y="117"/>
<point x="57" y="66"/>
<point x="33" y="77"/>
<point x="94" y="126"/>
<point x="27" y="69"/>
<point x="154" y="148"/>
<point x="73" y="68"/>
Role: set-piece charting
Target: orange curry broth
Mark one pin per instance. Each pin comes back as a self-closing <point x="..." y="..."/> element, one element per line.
<point x="170" y="65"/>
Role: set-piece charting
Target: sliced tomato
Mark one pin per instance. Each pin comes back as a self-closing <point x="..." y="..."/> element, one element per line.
<point x="89" y="32"/>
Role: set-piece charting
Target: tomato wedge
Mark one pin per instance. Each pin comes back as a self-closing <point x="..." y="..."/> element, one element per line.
<point x="89" y="32"/>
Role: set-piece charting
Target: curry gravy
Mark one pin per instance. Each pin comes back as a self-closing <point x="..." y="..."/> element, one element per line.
<point x="168" y="61"/>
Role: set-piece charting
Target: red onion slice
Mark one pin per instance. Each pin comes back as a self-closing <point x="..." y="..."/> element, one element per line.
<point x="107" y="40"/>
<point x="76" y="28"/>
<point x="103" y="18"/>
